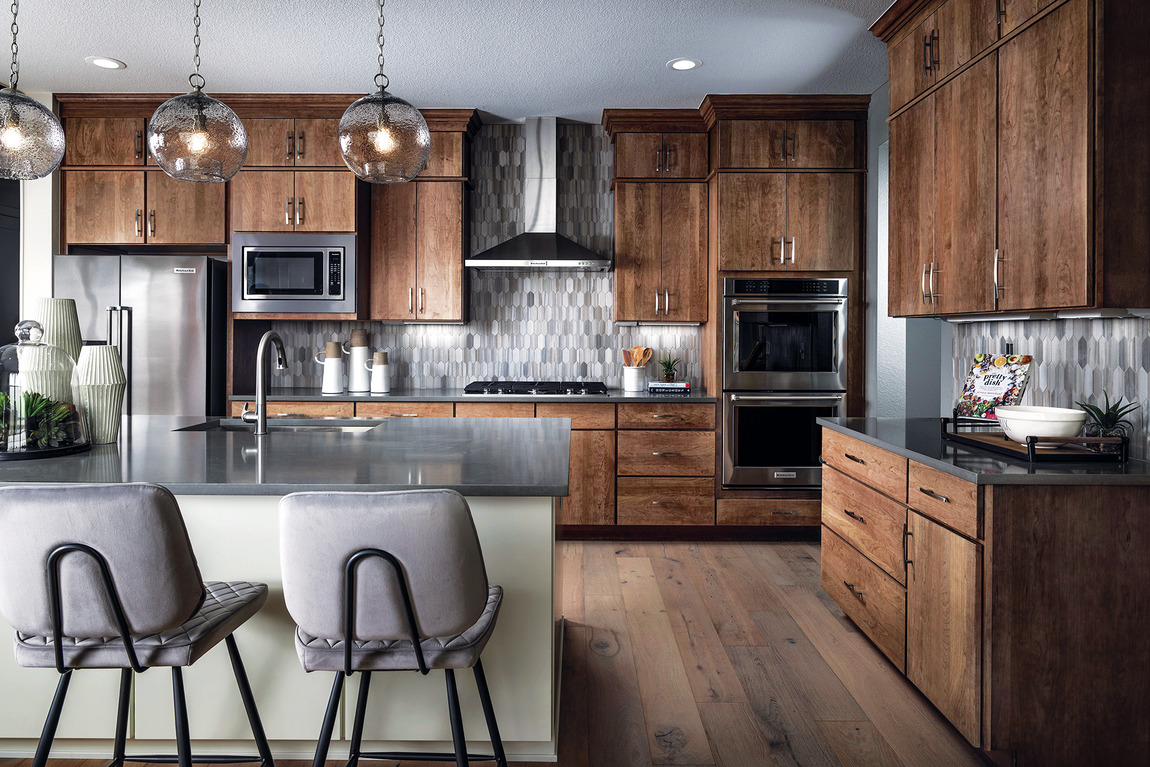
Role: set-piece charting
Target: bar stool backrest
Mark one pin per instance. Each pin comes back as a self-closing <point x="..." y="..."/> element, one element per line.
<point x="430" y="532"/>
<point x="136" y="528"/>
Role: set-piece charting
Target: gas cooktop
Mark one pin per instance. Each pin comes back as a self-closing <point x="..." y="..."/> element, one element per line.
<point x="588" y="388"/>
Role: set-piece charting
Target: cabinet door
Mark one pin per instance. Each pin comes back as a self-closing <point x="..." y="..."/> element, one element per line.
<point x="821" y="144"/>
<point x="638" y="224"/>
<point x="684" y="155"/>
<point x="911" y="214"/>
<point x="667" y="453"/>
<point x="104" y="206"/>
<point x="179" y="212"/>
<point x="446" y="156"/>
<point x="1015" y="13"/>
<point x="752" y="144"/>
<point x="911" y="65"/>
<point x="393" y="251"/>
<point x="591" y="499"/>
<point x="944" y="622"/>
<point x="1044" y="200"/>
<point x="965" y="29"/>
<point x="684" y="256"/>
<point x="965" y="190"/>
<point x="752" y="221"/>
<point x="325" y="201"/>
<point x="823" y="221"/>
<point x="439" y="217"/>
<point x="271" y="142"/>
<point x="263" y="201"/>
<point x="105" y="141"/>
<point x="666" y="501"/>
<point x="317" y="142"/>
<point x="638" y="155"/>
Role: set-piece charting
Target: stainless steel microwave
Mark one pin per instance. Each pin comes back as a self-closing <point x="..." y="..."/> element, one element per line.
<point x="290" y="272"/>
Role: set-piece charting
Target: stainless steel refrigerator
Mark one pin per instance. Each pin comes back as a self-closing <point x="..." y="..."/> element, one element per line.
<point x="168" y="315"/>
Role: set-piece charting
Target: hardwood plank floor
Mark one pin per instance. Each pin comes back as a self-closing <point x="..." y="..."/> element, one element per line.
<point x="726" y="654"/>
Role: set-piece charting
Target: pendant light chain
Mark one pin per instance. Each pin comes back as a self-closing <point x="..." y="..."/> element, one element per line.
<point x="381" y="79"/>
<point x="15" y="79"/>
<point x="196" y="59"/>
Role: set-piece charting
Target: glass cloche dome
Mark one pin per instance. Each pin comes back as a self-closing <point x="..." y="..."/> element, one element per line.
<point x="38" y="415"/>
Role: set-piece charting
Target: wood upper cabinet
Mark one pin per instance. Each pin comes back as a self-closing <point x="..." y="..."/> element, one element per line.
<point x="661" y="155"/>
<point x="181" y="212"/>
<point x="911" y="211"/>
<point x="417" y="251"/>
<point x="752" y="221"/>
<point x="119" y="207"/>
<point x="280" y="142"/>
<point x="755" y="144"/>
<point x="286" y="201"/>
<point x="324" y="201"/>
<point x="944" y="622"/>
<point x="1015" y="13"/>
<point x="105" y="141"/>
<point x="911" y="63"/>
<point x="447" y="155"/>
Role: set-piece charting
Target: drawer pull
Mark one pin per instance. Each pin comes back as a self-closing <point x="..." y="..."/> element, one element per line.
<point x="664" y="503"/>
<point x="664" y="415"/>
<point x="404" y="415"/>
<point x="855" y="592"/>
<point x="664" y="452"/>
<point x="906" y="534"/>
<point x="934" y="495"/>
<point x="854" y="516"/>
<point x="854" y="458"/>
<point x="287" y="415"/>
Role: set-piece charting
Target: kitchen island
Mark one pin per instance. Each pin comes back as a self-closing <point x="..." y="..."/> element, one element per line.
<point x="228" y="483"/>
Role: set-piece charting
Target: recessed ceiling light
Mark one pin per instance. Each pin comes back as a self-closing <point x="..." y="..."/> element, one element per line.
<point x="103" y="62"/>
<point x="682" y="65"/>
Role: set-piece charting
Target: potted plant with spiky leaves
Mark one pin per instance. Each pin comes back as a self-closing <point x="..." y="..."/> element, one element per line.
<point x="670" y="368"/>
<point x="1109" y="419"/>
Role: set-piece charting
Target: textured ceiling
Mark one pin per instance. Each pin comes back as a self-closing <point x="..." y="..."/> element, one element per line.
<point x="508" y="58"/>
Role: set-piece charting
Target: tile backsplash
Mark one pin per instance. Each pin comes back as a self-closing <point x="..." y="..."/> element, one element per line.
<point x="1075" y="361"/>
<point x="524" y="324"/>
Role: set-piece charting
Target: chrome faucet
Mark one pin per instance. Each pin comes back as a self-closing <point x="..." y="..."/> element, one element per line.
<point x="260" y="416"/>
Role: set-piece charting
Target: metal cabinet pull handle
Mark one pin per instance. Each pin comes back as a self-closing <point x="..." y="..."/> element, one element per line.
<point x="664" y="415"/>
<point x="422" y="294"/>
<point x="299" y="145"/>
<point x="854" y="592"/>
<point x="138" y="214"/>
<point x="411" y="300"/>
<point x="1001" y="9"/>
<point x="783" y="152"/>
<point x="666" y="302"/>
<point x="152" y="223"/>
<point x="794" y="146"/>
<point x="934" y="495"/>
<point x="852" y="515"/>
<point x="299" y="210"/>
<point x="922" y="282"/>
<point x="287" y="211"/>
<point x="287" y="147"/>
<point x="664" y="503"/>
<point x="658" y="157"/>
<point x="793" y="249"/>
<point x="926" y="55"/>
<point x="404" y="415"/>
<point x="139" y="144"/>
<point x="933" y="270"/>
<point x="854" y="458"/>
<point x="664" y="452"/>
<point x="656" y="302"/>
<point x="783" y="250"/>
<point x="906" y="533"/>
<point x="934" y="50"/>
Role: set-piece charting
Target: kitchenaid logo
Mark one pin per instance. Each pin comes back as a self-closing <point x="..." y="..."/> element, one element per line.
<point x="185" y="270"/>
<point x="786" y="475"/>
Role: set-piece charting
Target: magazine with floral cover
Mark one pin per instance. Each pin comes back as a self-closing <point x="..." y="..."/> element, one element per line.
<point x="994" y="380"/>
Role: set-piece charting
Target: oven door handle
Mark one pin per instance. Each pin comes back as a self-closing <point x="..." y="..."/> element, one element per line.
<point x="788" y="301"/>
<point x="786" y="398"/>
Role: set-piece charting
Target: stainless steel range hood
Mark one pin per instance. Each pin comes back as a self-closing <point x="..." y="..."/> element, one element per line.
<point x="539" y="247"/>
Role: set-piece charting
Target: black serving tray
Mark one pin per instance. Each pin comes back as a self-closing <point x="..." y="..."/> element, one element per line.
<point x="1061" y="450"/>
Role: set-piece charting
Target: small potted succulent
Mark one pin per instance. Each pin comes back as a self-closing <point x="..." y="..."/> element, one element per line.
<point x="670" y="368"/>
<point x="1109" y="420"/>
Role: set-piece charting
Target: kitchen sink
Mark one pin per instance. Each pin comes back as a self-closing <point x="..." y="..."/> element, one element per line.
<point x="289" y="425"/>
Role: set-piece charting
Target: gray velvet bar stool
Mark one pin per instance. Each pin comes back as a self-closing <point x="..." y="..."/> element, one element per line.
<point x="388" y="582"/>
<point x="104" y="577"/>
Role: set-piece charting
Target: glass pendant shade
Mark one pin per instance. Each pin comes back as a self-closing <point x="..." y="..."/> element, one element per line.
<point x="31" y="139"/>
<point x="384" y="139"/>
<point x="197" y="138"/>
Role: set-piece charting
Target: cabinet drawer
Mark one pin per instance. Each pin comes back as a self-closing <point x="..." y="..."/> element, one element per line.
<point x="667" y="453"/>
<point x="869" y="521"/>
<point x="494" y="410"/>
<point x="676" y="501"/>
<point x="944" y="498"/>
<point x="404" y="409"/>
<point x="671" y="415"/>
<point x="881" y="469"/>
<point x="767" y="511"/>
<point x="869" y="597"/>
<point x="582" y="416"/>
<point x="275" y="409"/>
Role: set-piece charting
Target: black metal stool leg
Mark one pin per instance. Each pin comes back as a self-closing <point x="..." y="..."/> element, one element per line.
<point x="122" y="717"/>
<point x="328" y="722"/>
<point x="489" y="715"/>
<point x="360" y="712"/>
<point x="457" y="736"/>
<point x="180" y="703"/>
<point x="48" y="734"/>
<point x="249" y="703"/>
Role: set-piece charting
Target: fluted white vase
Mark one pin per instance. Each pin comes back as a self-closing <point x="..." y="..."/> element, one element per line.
<point x="60" y="323"/>
<point x="98" y="384"/>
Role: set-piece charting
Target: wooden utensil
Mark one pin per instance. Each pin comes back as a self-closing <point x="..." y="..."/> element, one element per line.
<point x="627" y="357"/>
<point x="636" y="355"/>
<point x="646" y="356"/>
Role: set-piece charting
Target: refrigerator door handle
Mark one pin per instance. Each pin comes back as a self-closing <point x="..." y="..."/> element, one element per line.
<point x="108" y="335"/>
<point x="126" y="352"/>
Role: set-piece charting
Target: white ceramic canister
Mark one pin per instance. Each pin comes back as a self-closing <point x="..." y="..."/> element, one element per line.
<point x="332" y="361"/>
<point x="380" y="373"/>
<point x="358" y="374"/>
<point x="98" y="383"/>
<point x="634" y="379"/>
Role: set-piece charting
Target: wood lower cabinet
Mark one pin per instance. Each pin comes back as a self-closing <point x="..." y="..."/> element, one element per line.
<point x="591" y="487"/>
<point x="293" y="201"/>
<point x="295" y="408"/>
<point x="494" y="410"/>
<point x="666" y="415"/>
<point x="786" y="510"/>
<point x="105" y="141"/>
<point x="667" y="453"/>
<point x="867" y="519"/>
<point x="128" y="206"/>
<point x="404" y="409"/>
<point x="666" y="501"/>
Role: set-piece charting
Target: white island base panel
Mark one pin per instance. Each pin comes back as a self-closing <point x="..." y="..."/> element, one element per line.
<point x="237" y="538"/>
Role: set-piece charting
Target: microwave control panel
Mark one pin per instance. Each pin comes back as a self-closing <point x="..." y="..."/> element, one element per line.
<point x="784" y="286"/>
<point x="335" y="274"/>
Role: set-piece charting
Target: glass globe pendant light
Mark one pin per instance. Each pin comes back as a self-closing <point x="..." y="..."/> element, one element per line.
<point x="31" y="139"/>
<point x="384" y="139"/>
<point x="195" y="137"/>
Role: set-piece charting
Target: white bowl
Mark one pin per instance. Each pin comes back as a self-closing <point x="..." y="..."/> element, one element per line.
<point x="1022" y="421"/>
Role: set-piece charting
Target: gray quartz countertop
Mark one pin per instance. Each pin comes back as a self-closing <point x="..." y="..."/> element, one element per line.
<point x="303" y="394"/>
<point x="475" y="456"/>
<point x="920" y="439"/>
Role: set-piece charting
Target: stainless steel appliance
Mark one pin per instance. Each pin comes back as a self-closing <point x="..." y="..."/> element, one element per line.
<point x="168" y="315"/>
<point x="582" y="388"/>
<point x="784" y="365"/>
<point x="293" y="272"/>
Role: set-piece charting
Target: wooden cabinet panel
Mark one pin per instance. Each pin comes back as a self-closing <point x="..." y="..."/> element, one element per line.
<point x="752" y="143"/>
<point x="638" y="155"/>
<point x="325" y="201"/>
<point x="911" y="248"/>
<point x="446" y="155"/>
<point x="669" y="415"/>
<point x="944" y="622"/>
<point x="591" y="487"/>
<point x="494" y="410"/>
<point x="103" y="206"/>
<point x="911" y="66"/>
<point x="752" y="220"/>
<point x="821" y="144"/>
<point x="439" y="223"/>
<point x="1015" y="13"/>
<point x="317" y="142"/>
<point x="868" y="520"/>
<point x="270" y="142"/>
<point x="965" y="29"/>
<point x="761" y="512"/>
<point x="179" y="212"/>
<point x="667" y="453"/>
<point x="944" y="497"/>
<point x="1044" y="100"/>
<point x="589" y="416"/>
<point x="869" y="597"/>
<point x="965" y="189"/>
<point x="105" y="141"/>
<point x="393" y="251"/>
<point x="670" y="501"/>
<point x="684" y="252"/>
<point x="881" y="469"/>
<point x="263" y="201"/>
<point x="823" y="221"/>
<point x="638" y="243"/>
<point x="385" y="409"/>
<point x="304" y="409"/>
<point x="684" y="155"/>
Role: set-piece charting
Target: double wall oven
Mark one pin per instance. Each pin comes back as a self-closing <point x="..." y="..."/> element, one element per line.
<point x="784" y="365"/>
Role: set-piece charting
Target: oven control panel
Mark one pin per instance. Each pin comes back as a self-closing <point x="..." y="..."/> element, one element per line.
<point x="784" y="286"/>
